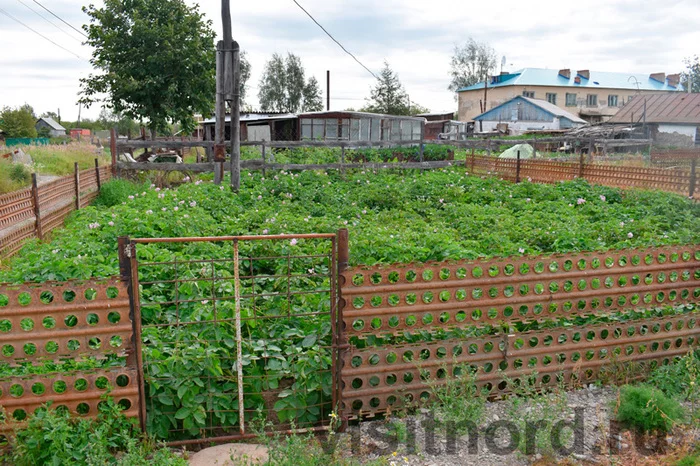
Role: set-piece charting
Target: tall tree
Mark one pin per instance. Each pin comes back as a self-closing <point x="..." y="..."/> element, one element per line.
<point x="283" y="87"/>
<point x="155" y="58"/>
<point x="313" y="100"/>
<point x="691" y="76"/>
<point x="471" y="63"/>
<point x="18" y="122"/>
<point x="245" y="76"/>
<point x="388" y="95"/>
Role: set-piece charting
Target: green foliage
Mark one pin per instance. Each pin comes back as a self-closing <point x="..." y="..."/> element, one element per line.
<point x="647" y="409"/>
<point x="156" y="58"/>
<point x="283" y="87"/>
<point x="458" y="402"/>
<point x="470" y="63"/>
<point x="388" y="95"/>
<point x="690" y="460"/>
<point x="18" y="122"/>
<point x="305" y="450"/>
<point x="19" y="173"/>
<point x="116" y="191"/>
<point x="691" y="73"/>
<point x="52" y="436"/>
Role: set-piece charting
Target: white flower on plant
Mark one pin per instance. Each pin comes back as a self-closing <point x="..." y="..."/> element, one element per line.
<point x="221" y="188"/>
<point x="345" y="222"/>
<point x="186" y="216"/>
<point x="186" y="179"/>
<point x="131" y="197"/>
<point x="630" y="235"/>
<point x="149" y="212"/>
<point x="528" y="199"/>
<point x="164" y="209"/>
<point x="265" y="231"/>
<point x="602" y="198"/>
<point x="157" y="189"/>
<point x="110" y="224"/>
<point x="521" y="250"/>
<point x="293" y="242"/>
<point x="622" y="224"/>
<point x="259" y="197"/>
<point x="580" y="201"/>
<point x="181" y="202"/>
<point x="193" y="204"/>
<point x="92" y="226"/>
<point x="55" y="251"/>
<point x="176" y="208"/>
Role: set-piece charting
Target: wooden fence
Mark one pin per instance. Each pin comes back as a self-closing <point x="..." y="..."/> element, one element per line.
<point x="34" y="212"/>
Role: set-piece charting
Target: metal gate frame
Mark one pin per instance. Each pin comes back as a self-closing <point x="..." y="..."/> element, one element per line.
<point x="338" y="258"/>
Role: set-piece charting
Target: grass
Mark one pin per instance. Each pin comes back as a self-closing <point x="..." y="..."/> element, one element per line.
<point x="56" y="159"/>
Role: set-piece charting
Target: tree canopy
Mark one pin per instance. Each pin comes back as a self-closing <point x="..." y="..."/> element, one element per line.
<point x="156" y="61"/>
<point x="691" y="75"/>
<point x="471" y="62"/>
<point x="284" y="88"/>
<point x="18" y="122"/>
<point x="389" y="96"/>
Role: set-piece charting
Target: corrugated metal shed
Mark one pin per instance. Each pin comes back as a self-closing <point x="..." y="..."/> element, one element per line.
<point x="539" y="110"/>
<point x="53" y="124"/>
<point x="661" y="108"/>
<point x="595" y="79"/>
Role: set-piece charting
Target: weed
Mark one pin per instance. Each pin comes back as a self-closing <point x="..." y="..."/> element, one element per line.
<point x="114" y="192"/>
<point x="458" y="401"/>
<point x="646" y="409"/>
<point x="680" y="379"/>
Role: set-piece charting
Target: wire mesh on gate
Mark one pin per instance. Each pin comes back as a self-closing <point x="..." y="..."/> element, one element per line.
<point x="221" y="314"/>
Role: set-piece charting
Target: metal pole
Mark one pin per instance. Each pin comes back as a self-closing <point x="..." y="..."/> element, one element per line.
<point x="239" y="343"/>
<point x="76" y="179"/>
<point x="236" y="121"/>
<point x="220" y="128"/>
<point x="693" y="166"/>
<point x="517" y="168"/>
<point x="97" y="175"/>
<point x="328" y="90"/>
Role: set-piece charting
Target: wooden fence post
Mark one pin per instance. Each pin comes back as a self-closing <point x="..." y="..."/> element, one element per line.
<point x="113" y="150"/>
<point x="97" y="175"/>
<point x="342" y="160"/>
<point x="263" y="158"/>
<point x="76" y="178"/>
<point x="473" y="159"/>
<point x="37" y="211"/>
<point x="693" y="167"/>
<point x="517" y="168"/>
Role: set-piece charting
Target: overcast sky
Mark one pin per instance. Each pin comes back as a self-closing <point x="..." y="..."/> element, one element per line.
<point x="416" y="37"/>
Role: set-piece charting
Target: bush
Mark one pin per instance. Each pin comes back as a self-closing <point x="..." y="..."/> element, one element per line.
<point x="457" y="402"/>
<point x="20" y="174"/>
<point x="680" y="379"/>
<point x="646" y="409"/>
<point x="114" y="192"/>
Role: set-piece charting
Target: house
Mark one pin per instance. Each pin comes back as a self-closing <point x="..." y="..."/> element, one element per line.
<point x="444" y="126"/>
<point x="594" y="96"/>
<point x="49" y="126"/>
<point x="359" y="126"/>
<point x="670" y="119"/>
<point x="523" y="114"/>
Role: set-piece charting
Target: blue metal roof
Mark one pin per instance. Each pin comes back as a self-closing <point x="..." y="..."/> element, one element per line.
<point x="598" y="79"/>
<point x="549" y="109"/>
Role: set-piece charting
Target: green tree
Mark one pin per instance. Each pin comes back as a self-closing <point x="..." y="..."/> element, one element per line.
<point x="156" y="60"/>
<point x="123" y="124"/>
<point x="692" y="74"/>
<point x="471" y="63"/>
<point x="388" y="95"/>
<point x="283" y="86"/>
<point x="245" y="76"/>
<point x="19" y="122"/>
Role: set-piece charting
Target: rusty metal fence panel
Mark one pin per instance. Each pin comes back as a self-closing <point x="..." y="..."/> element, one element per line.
<point x="676" y="181"/>
<point x="498" y="296"/>
<point x="86" y="321"/>
<point x="241" y="332"/>
<point x="15" y="206"/>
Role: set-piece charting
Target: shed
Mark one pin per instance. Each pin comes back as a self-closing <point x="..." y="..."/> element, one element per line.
<point x="79" y="133"/>
<point x="258" y="126"/>
<point x="672" y="119"/>
<point x="523" y="114"/>
<point x="52" y="126"/>
<point x="359" y="126"/>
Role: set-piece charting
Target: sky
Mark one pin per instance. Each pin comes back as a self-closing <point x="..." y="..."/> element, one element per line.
<point x="415" y="37"/>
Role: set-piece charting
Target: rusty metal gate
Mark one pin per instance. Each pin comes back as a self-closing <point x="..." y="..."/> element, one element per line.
<point x="487" y="315"/>
<point x="238" y="333"/>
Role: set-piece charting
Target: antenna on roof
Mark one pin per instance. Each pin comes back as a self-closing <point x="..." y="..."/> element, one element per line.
<point x="503" y="62"/>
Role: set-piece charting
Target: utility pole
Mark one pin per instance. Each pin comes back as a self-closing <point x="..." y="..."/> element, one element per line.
<point x="328" y="90"/>
<point x="231" y="92"/>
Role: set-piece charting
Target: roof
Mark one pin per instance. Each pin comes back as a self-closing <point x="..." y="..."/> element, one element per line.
<point x="52" y="123"/>
<point x="251" y="117"/>
<point x="543" y="104"/>
<point x="661" y="108"/>
<point x="598" y="79"/>
<point x="344" y="114"/>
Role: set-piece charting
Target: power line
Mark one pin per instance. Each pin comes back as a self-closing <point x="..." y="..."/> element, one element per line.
<point x="40" y="34"/>
<point x="333" y="38"/>
<point x="48" y="21"/>
<point x="61" y="19"/>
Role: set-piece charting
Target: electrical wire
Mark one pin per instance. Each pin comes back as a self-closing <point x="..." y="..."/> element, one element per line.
<point x="62" y="20"/>
<point x="40" y="34"/>
<point x="333" y="38"/>
<point x="49" y="21"/>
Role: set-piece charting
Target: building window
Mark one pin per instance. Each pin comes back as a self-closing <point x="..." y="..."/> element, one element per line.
<point x="612" y="101"/>
<point x="570" y="100"/>
<point x="551" y="98"/>
<point x="592" y="100"/>
<point x="530" y="94"/>
<point x="629" y="98"/>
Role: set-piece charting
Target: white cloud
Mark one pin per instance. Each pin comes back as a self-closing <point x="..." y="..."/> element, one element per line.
<point x="416" y="37"/>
